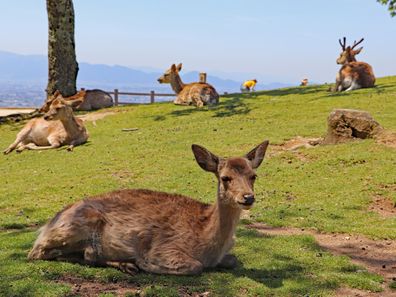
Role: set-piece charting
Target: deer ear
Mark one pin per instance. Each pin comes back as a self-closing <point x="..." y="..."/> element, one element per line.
<point x="74" y="103"/>
<point x="356" y="52"/>
<point x="256" y="155"/>
<point x="205" y="159"/>
<point x="173" y="68"/>
<point x="179" y="67"/>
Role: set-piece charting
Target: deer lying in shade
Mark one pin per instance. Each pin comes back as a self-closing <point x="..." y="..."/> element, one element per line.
<point x="156" y="232"/>
<point x="353" y="75"/>
<point x="56" y="128"/>
<point x="82" y="100"/>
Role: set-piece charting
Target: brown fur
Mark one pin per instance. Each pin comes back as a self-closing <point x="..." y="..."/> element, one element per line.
<point x="155" y="231"/>
<point x="82" y="100"/>
<point x="197" y="93"/>
<point x="353" y="75"/>
<point x="56" y="128"/>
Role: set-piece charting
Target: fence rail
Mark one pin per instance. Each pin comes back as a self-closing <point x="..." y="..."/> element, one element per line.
<point x="152" y="94"/>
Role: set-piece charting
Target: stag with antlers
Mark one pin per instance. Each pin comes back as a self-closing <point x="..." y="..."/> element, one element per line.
<point x="353" y="75"/>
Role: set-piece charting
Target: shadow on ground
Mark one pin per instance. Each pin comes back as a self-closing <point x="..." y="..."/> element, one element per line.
<point x="232" y="106"/>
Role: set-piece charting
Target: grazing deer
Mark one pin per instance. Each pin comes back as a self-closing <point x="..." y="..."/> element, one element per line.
<point x="197" y="93"/>
<point x="353" y="75"/>
<point x="154" y="231"/>
<point x="56" y="128"/>
<point x="83" y="100"/>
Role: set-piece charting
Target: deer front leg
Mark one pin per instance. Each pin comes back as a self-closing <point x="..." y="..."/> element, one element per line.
<point x="228" y="262"/>
<point x="176" y="263"/>
<point x="126" y="267"/>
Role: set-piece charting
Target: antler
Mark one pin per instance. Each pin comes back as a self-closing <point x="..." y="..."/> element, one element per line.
<point x="343" y="44"/>
<point x="356" y="43"/>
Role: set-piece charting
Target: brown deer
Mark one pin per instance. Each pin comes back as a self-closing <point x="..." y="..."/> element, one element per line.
<point x="56" y="128"/>
<point x="153" y="231"/>
<point x="197" y="93"/>
<point x="353" y="75"/>
<point x="83" y="100"/>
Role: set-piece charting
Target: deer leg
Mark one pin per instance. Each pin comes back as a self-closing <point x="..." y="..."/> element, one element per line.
<point x="228" y="262"/>
<point x="126" y="267"/>
<point x="354" y="86"/>
<point x="33" y="146"/>
<point x="22" y="135"/>
<point x="176" y="263"/>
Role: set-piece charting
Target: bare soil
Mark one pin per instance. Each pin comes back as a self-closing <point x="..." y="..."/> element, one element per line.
<point x="387" y="138"/>
<point x="85" y="288"/>
<point x="92" y="117"/>
<point x="385" y="207"/>
<point x="377" y="256"/>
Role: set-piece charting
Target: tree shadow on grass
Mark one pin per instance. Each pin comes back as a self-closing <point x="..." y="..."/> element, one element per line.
<point x="236" y="105"/>
<point x="282" y="268"/>
<point x="294" y="91"/>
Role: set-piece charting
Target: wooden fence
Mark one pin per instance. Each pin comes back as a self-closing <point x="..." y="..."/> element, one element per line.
<point x="116" y="94"/>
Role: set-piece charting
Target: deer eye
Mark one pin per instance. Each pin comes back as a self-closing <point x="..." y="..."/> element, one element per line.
<point x="253" y="177"/>
<point x="226" y="179"/>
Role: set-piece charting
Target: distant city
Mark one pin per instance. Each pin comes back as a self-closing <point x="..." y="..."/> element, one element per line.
<point x="23" y="80"/>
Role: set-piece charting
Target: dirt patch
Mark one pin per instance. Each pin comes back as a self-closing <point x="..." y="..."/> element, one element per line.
<point x="377" y="256"/>
<point x="92" y="117"/>
<point x="387" y="138"/>
<point x="293" y="145"/>
<point x="383" y="206"/>
<point x="85" y="288"/>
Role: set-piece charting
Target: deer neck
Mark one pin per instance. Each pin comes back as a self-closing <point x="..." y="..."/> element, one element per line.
<point x="70" y="124"/>
<point x="176" y="83"/>
<point x="223" y="221"/>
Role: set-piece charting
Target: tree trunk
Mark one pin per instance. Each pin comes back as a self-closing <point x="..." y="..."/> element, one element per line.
<point x="62" y="64"/>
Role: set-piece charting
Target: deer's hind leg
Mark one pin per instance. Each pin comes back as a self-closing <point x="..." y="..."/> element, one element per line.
<point x="74" y="235"/>
<point x="19" y="141"/>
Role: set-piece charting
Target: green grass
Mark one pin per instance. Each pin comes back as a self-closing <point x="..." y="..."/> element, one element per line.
<point x="329" y="189"/>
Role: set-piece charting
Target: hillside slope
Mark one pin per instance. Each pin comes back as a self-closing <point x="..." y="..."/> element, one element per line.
<point x="327" y="188"/>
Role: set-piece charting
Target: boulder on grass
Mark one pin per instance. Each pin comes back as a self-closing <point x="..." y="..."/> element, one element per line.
<point x="349" y="124"/>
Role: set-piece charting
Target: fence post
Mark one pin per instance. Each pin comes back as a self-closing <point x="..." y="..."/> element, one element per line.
<point x="116" y="97"/>
<point x="202" y="77"/>
<point x="152" y="96"/>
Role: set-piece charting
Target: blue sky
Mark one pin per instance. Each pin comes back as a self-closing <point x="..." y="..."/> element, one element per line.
<point x="280" y="41"/>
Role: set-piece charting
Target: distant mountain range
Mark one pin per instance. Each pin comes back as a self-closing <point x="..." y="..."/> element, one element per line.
<point x="23" y="79"/>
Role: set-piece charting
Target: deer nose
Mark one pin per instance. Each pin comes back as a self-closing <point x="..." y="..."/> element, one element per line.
<point x="249" y="199"/>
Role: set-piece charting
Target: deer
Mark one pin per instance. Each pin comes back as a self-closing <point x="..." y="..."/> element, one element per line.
<point x="353" y="75"/>
<point x="196" y="93"/>
<point x="56" y="128"/>
<point x="84" y="100"/>
<point x="143" y="230"/>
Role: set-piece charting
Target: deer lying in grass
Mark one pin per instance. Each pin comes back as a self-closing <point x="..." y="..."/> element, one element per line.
<point x="56" y="128"/>
<point x="197" y="93"/>
<point x="353" y="75"/>
<point x="82" y="100"/>
<point x="153" y="231"/>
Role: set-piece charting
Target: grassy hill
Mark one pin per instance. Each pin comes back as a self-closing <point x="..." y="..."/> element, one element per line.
<point x="328" y="188"/>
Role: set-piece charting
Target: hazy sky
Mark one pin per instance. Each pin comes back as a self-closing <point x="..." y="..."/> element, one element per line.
<point x="280" y="41"/>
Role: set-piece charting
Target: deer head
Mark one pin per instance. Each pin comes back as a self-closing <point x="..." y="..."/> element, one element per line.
<point x="58" y="110"/>
<point x="57" y="95"/>
<point x="166" y="77"/>
<point x="348" y="53"/>
<point x="236" y="176"/>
